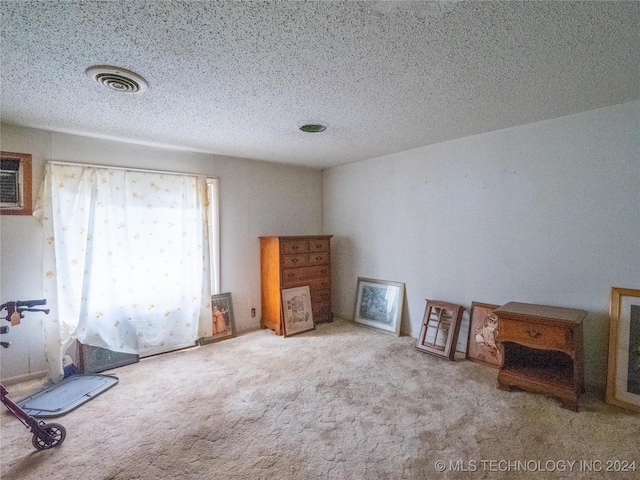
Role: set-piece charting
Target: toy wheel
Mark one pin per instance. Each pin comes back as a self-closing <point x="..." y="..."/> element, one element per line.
<point x="57" y="433"/>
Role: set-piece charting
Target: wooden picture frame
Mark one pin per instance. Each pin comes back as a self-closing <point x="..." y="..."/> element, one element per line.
<point x="440" y="328"/>
<point x="379" y="304"/>
<point x="296" y="310"/>
<point x="222" y="320"/>
<point x="16" y="196"/>
<point x="623" y="373"/>
<point x="481" y="342"/>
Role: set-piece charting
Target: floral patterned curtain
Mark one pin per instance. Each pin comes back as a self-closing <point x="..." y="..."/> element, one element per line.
<point x="126" y="260"/>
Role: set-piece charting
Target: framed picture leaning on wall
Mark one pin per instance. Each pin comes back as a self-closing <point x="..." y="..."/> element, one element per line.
<point x="623" y="373"/>
<point x="379" y="304"/>
<point x="440" y="328"/>
<point x="222" y="319"/>
<point x="481" y="344"/>
<point x="296" y="308"/>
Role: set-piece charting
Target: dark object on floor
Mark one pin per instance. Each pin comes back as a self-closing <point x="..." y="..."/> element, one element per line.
<point x="66" y="395"/>
<point x="96" y="359"/>
<point x="70" y="371"/>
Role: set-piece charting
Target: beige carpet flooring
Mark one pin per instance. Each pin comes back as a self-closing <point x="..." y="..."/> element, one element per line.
<point x="340" y="402"/>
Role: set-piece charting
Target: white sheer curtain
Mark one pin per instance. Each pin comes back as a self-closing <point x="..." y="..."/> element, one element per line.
<point x="126" y="259"/>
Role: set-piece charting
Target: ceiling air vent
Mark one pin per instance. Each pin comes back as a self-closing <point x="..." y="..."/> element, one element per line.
<point x="117" y="79"/>
<point x="313" y="128"/>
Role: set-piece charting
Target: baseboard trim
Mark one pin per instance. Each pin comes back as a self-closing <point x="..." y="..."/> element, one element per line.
<point x="24" y="378"/>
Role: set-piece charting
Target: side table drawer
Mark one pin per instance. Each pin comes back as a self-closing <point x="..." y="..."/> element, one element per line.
<point x="534" y="335"/>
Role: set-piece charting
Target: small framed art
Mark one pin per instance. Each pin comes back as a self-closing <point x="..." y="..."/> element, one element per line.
<point x="623" y="373"/>
<point x="222" y="321"/>
<point x="296" y="307"/>
<point x="379" y="304"/>
<point x="481" y="344"/>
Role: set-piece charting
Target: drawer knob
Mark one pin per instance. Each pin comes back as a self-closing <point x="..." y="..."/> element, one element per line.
<point x="533" y="333"/>
<point x="295" y="260"/>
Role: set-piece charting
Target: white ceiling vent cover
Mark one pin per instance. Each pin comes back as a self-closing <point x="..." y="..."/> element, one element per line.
<point x="117" y="79"/>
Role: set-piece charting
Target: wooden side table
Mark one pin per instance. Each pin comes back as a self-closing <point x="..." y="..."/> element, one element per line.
<point x="542" y="350"/>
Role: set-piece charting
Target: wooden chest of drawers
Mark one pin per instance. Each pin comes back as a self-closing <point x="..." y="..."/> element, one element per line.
<point x="542" y="350"/>
<point x="287" y="262"/>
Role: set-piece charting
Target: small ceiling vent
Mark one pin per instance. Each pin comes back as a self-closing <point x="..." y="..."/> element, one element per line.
<point x="117" y="79"/>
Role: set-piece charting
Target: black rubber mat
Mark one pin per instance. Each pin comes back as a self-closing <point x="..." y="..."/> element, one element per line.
<point x="66" y="395"/>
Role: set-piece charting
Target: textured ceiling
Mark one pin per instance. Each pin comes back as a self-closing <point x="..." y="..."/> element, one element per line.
<point x="239" y="78"/>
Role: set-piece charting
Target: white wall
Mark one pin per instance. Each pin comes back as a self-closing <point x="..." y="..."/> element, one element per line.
<point x="545" y="213"/>
<point x="256" y="198"/>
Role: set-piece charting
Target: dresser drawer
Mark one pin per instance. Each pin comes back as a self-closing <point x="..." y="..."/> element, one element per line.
<point x="305" y="259"/>
<point x="321" y="283"/>
<point x="294" y="246"/>
<point x="315" y="284"/>
<point x="304" y="246"/>
<point x="321" y="313"/>
<point x="294" y="261"/>
<point x="292" y="277"/>
<point x="534" y="335"/>
<point x="319" y="245"/>
<point x="321" y="297"/>
<point x="319" y="258"/>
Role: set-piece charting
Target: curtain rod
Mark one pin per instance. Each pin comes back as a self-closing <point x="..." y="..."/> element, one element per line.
<point x="143" y="170"/>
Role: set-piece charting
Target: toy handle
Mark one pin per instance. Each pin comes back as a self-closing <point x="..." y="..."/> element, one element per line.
<point x="31" y="303"/>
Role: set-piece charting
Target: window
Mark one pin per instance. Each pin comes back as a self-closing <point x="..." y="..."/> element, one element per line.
<point x="127" y="258"/>
<point x="15" y="184"/>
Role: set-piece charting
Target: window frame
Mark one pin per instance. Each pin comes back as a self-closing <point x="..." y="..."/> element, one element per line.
<point x="213" y="217"/>
<point x="24" y="205"/>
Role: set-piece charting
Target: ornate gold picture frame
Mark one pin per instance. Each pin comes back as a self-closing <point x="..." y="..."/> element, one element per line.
<point x="623" y="373"/>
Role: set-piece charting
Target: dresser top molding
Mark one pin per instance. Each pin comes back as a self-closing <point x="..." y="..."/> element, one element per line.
<point x="541" y="313"/>
<point x="293" y="237"/>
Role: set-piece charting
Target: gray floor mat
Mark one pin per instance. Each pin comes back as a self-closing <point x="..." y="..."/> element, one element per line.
<point x="66" y="395"/>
